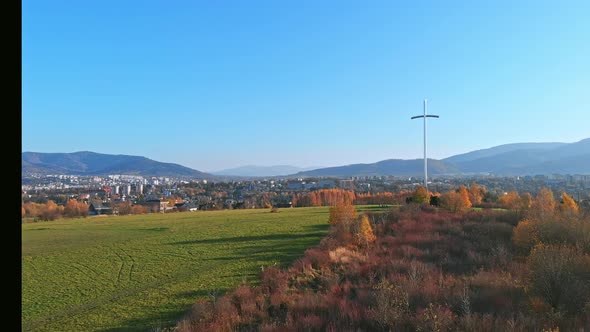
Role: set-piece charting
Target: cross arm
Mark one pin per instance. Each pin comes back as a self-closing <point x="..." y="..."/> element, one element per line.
<point x="421" y="116"/>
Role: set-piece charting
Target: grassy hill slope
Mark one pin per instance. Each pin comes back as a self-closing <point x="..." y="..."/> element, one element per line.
<point x="139" y="272"/>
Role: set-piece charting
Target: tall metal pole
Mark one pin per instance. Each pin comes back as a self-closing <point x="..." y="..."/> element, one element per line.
<point x="425" y="159"/>
<point x="425" y="134"/>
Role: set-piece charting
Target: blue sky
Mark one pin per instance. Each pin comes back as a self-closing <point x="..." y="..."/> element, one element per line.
<point x="219" y="84"/>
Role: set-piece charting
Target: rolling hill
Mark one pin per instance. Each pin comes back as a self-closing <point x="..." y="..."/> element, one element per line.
<point x="544" y="158"/>
<point x="386" y="167"/>
<point x="496" y="150"/>
<point x="508" y="159"/>
<point x="91" y="163"/>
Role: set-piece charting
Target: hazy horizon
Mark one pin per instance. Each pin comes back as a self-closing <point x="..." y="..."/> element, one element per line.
<point x="319" y="165"/>
<point x="213" y="87"/>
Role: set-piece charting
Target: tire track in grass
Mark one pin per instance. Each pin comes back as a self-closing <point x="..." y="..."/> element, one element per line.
<point x="122" y="261"/>
<point x="132" y="263"/>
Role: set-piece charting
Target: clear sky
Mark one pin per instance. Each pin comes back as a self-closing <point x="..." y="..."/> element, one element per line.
<point x="219" y="84"/>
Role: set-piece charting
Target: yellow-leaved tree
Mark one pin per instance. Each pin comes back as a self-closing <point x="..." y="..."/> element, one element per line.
<point x="342" y="213"/>
<point x="568" y="207"/>
<point x="476" y="193"/>
<point x="365" y="233"/>
<point x="420" y="195"/>
<point x="464" y="196"/>
<point x="543" y="206"/>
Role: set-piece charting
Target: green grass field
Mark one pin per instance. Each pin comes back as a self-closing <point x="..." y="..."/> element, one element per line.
<point x="142" y="272"/>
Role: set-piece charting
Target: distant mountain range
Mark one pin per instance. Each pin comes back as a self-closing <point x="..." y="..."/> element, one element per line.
<point x="386" y="167"/>
<point x="91" y="163"/>
<point x="253" y="170"/>
<point x="509" y="159"/>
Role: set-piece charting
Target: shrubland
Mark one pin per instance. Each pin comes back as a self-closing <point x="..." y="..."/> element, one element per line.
<point x="425" y="268"/>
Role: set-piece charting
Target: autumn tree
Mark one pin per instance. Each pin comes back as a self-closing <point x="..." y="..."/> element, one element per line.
<point x="139" y="209"/>
<point x="342" y="213"/>
<point x="343" y="217"/>
<point x="74" y="208"/>
<point x="568" y="207"/>
<point x="324" y="197"/>
<point x="525" y="202"/>
<point x="71" y="209"/>
<point x="365" y="233"/>
<point x="543" y="205"/>
<point x="454" y="202"/>
<point x="464" y="197"/>
<point x="33" y="209"/>
<point x="51" y="211"/>
<point x="420" y="195"/>
<point x="509" y="200"/>
<point x="476" y="193"/>
<point x="524" y="236"/>
<point x="315" y="199"/>
<point x="123" y="208"/>
<point x="83" y="207"/>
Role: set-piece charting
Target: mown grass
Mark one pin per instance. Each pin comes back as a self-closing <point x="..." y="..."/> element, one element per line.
<point x="143" y="272"/>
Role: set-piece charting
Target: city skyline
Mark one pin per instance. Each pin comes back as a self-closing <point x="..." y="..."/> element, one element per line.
<point x="213" y="87"/>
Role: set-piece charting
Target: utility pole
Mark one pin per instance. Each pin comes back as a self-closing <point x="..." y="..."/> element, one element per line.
<point x="425" y="158"/>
